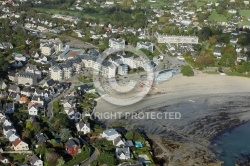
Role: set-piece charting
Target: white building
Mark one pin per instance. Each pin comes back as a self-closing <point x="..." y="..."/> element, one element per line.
<point x="56" y="73"/>
<point x="26" y="78"/>
<point x="176" y="39"/>
<point x="83" y="127"/>
<point x="35" y="161"/>
<point x="110" y="134"/>
<point x="123" y="69"/>
<point x="108" y="69"/>
<point x="33" y="110"/>
<point x="117" y="43"/>
<point x="145" y="45"/>
<point x="123" y="153"/>
<point x="50" y="46"/>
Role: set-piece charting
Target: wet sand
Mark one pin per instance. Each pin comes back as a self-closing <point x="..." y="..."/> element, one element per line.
<point x="209" y="104"/>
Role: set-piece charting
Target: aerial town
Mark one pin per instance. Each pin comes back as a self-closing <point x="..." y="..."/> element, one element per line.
<point x="197" y="50"/>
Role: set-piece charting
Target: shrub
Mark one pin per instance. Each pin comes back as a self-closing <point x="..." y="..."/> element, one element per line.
<point x="187" y="71"/>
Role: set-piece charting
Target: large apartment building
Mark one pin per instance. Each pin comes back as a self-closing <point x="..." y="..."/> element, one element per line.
<point x="26" y="78"/>
<point x="50" y="46"/>
<point x="117" y="43"/>
<point x="176" y="39"/>
<point x="145" y="45"/>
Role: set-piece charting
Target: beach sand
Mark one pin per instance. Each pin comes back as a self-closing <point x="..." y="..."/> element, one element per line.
<point x="208" y="104"/>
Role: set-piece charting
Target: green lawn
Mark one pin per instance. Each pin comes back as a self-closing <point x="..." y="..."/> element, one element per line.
<point x="210" y="1"/>
<point x="217" y="17"/>
<point x="211" y="72"/>
<point x="19" y="157"/>
<point x="157" y="4"/>
<point x="77" y="14"/>
<point x="245" y="13"/>
<point x="199" y="4"/>
<point x="230" y="73"/>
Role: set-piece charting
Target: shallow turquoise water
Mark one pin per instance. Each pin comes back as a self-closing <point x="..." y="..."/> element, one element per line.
<point x="233" y="144"/>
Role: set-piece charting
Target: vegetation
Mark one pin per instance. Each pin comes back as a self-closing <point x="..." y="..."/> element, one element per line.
<point x="106" y="158"/>
<point x="187" y="71"/>
<point x="85" y="153"/>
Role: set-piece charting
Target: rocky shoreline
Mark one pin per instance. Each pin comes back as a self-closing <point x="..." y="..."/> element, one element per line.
<point x="188" y="141"/>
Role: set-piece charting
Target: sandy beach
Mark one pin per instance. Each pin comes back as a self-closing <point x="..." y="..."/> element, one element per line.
<point x="209" y="104"/>
<point x="184" y="88"/>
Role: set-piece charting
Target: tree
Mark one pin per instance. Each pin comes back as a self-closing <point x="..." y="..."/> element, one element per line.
<point x="60" y="162"/>
<point x="65" y="134"/>
<point x="187" y="71"/>
<point x="106" y="158"/>
<point x="56" y="107"/>
<point x="205" y="33"/>
<point x="51" y="157"/>
<point x="204" y="60"/>
<point x="212" y="40"/>
<point x="41" y="149"/>
<point x="227" y="60"/>
<point x="229" y="49"/>
<point x="59" y="121"/>
<point x="26" y="134"/>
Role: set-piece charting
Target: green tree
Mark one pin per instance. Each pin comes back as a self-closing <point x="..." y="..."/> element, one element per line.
<point x="59" y="121"/>
<point x="187" y="71"/>
<point x="106" y="158"/>
<point x="60" y="162"/>
<point x="227" y="60"/>
<point x="56" y="107"/>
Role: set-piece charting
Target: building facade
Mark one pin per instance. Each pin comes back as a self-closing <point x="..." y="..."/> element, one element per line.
<point x="26" y="78"/>
<point x="145" y="45"/>
<point x="176" y="39"/>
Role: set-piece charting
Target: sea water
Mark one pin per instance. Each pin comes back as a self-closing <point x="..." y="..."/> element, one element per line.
<point x="233" y="145"/>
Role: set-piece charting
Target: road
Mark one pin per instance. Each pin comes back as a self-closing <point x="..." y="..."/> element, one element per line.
<point x="172" y="62"/>
<point x="18" y="152"/>
<point x="66" y="92"/>
<point x="91" y="158"/>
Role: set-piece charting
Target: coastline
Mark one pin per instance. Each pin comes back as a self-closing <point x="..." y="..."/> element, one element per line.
<point x="209" y="104"/>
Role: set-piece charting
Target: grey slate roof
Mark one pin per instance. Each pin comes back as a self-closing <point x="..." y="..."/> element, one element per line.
<point x="110" y="132"/>
<point x="73" y="142"/>
<point x="33" y="159"/>
<point x="82" y="123"/>
<point x="124" y="151"/>
<point x="41" y="137"/>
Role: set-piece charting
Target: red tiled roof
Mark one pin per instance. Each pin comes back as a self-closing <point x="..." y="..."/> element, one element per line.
<point x="72" y="53"/>
<point x="30" y="104"/>
<point x="16" y="142"/>
<point x="23" y="98"/>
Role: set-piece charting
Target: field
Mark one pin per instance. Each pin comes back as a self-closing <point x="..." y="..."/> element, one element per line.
<point x="199" y="4"/>
<point x="209" y="0"/>
<point x="157" y="4"/>
<point x="77" y="14"/>
<point x="217" y="17"/>
<point x="245" y="13"/>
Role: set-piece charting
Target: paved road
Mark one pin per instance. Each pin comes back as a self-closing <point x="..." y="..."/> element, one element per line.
<point x="91" y="158"/>
<point x="68" y="91"/>
<point x="18" y="152"/>
<point x="173" y="62"/>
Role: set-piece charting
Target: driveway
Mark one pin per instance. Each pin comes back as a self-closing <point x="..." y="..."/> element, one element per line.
<point x="91" y="158"/>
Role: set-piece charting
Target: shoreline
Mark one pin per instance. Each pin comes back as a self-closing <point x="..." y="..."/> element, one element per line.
<point x="209" y="104"/>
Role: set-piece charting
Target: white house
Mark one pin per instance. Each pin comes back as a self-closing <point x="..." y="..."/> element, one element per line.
<point x="83" y="127"/>
<point x="110" y="134"/>
<point x="35" y="161"/>
<point x="118" y="142"/>
<point x="11" y="136"/>
<point x="18" y="144"/>
<point x="123" y="153"/>
<point x="33" y="110"/>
